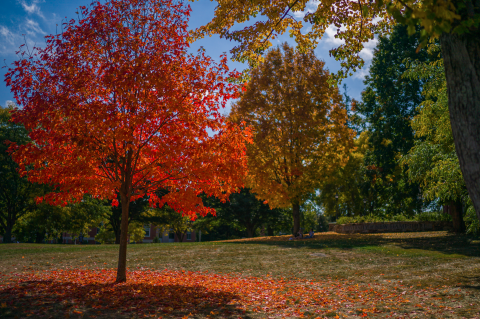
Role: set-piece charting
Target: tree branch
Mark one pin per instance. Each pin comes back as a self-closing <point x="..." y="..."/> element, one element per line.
<point x="280" y="20"/>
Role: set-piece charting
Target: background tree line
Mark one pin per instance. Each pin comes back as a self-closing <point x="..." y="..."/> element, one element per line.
<point x="399" y="163"/>
<point x="405" y="165"/>
<point x="27" y="221"/>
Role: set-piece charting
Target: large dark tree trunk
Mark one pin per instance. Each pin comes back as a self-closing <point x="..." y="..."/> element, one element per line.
<point x="269" y="230"/>
<point x="180" y="236"/>
<point x="454" y="208"/>
<point x="117" y="233"/>
<point x="296" y="217"/>
<point x="122" y="256"/>
<point x="7" y="236"/>
<point x="39" y="236"/>
<point x="250" y="230"/>
<point x="461" y="56"/>
<point x="10" y="221"/>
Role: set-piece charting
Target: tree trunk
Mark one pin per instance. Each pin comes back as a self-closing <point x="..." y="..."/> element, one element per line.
<point x="117" y="233"/>
<point x="116" y="222"/>
<point x="250" y="230"/>
<point x="461" y="56"/>
<point x="10" y="221"/>
<point x="455" y="210"/>
<point x="122" y="256"/>
<point x="180" y="236"/>
<point x="39" y="236"/>
<point x="269" y="230"/>
<point x="7" y="236"/>
<point x="296" y="217"/>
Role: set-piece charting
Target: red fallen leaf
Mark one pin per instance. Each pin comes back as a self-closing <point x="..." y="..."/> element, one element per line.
<point x="191" y="292"/>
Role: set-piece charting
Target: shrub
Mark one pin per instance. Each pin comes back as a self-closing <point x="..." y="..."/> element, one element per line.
<point x="136" y="232"/>
<point x="471" y="221"/>
<point x="432" y="216"/>
<point x="105" y="236"/>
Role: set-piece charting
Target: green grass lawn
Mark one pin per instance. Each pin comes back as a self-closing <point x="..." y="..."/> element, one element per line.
<point x="444" y="267"/>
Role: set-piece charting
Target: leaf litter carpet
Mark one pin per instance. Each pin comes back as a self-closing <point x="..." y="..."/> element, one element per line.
<point x="184" y="294"/>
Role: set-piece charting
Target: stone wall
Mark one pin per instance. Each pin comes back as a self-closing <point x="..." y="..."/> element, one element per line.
<point x="390" y="227"/>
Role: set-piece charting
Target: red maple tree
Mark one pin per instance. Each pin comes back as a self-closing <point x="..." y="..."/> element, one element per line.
<point x="115" y="104"/>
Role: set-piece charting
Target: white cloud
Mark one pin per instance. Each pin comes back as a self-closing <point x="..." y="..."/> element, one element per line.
<point x="7" y="39"/>
<point x="368" y="49"/>
<point x="29" y="32"/>
<point x="310" y="7"/>
<point x="32" y="8"/>
<point x="329" y="36"/>
<point x="32" y="27"/>
<point x="7" y="35"/>
<point x="360" y="74"/>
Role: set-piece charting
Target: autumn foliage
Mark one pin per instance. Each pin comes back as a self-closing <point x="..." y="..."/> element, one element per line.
<point x="300" y="127"/>
<point x="114" y="104"/>
<point x="186" y="294"/>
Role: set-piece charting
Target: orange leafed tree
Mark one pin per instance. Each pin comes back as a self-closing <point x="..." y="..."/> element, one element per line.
<point x="300" y="128"/>
<point x="114" y="104"/>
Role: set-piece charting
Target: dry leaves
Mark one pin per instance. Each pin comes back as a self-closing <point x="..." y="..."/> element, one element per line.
<point x="201" y="294"/>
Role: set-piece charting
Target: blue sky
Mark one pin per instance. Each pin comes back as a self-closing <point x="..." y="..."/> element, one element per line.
<point x="28" y="21"/>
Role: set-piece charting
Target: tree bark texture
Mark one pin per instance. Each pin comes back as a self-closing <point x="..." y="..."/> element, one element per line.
<point x="461" y="56"/>
<point x="122" y="256"/>
<point x="296" y="217"/>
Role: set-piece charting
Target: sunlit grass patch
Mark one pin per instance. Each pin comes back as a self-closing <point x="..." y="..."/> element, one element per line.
<point x="438" y="269"/>
<point x="409" y="252"/>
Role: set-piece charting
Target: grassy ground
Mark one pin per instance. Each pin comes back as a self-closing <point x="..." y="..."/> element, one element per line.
<point x="435" y="270"/>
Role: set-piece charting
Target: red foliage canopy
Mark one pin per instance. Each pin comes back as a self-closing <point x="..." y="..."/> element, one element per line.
<point x="115" y="104"/>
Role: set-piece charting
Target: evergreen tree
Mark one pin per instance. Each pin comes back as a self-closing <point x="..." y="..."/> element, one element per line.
<point x="246" y="213"/>
<point x="388" y="105"/>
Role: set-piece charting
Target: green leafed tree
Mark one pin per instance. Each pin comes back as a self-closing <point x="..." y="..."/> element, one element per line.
<point x="169" y="219"/>
<point x="245" y="211"/>
<point x="388" y="105"/>
<point x="432" y="161"/>
<point x="456" y="23"/>
<point x="16" y="193"/>
<point x="48" y="222"/>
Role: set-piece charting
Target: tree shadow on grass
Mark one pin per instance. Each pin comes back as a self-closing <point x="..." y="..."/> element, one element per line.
<point x="445" y="243"/>
<point x="51" y="299"/>
<point x="473" y="280"/>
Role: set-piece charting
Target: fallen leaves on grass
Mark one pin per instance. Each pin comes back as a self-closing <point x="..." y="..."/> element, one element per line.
<point x="179" y="293"/>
